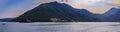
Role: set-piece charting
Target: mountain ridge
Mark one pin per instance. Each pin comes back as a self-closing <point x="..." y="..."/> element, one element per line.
<point x="112" y="15"/>
<point x="46" y="11"/>
<point x="64" y="12"/>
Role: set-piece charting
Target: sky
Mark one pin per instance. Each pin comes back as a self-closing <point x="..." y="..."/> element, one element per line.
<point x="14" y="8"/>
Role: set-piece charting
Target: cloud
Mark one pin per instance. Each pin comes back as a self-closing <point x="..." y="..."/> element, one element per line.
<point x="112" y="3"/>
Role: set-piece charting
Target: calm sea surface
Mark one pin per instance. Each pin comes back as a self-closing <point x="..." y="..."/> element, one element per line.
<point x="60" y="27"/>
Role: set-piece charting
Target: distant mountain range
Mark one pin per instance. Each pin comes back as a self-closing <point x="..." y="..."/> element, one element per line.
<point x="6" y="19"/>
<point x="112" y="15"/>
<point x="45" y="12"/>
